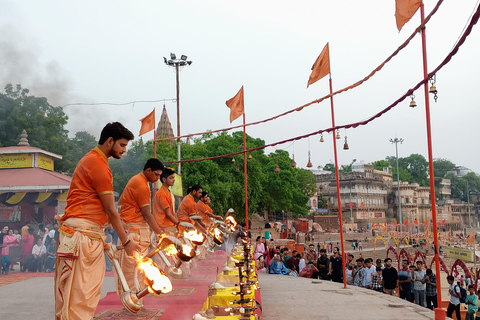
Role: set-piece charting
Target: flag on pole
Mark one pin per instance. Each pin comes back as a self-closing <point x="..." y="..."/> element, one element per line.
<point x="404" y="11"/>
<point x="236" y="105"/>
<point x="425" y="223"/>
<point x="321" y="67"/>
<point x="427" y="233"/>
<point x="395" y="223"/>
<point x="148" y="123"/>
<point x="405" y="222"/>
<point x="415" y="221"/>
<point x="471" y="239"/>
<point x="443" y="221"/>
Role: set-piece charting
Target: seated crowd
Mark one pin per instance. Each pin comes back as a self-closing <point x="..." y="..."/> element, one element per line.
<point x="38" y="249"/>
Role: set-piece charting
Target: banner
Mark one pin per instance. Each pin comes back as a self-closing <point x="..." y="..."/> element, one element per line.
<point x="19" y="160"/>
<point x="461" y="254"/>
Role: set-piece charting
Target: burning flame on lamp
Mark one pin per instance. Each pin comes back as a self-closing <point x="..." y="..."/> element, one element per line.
<point x="170" y="250"/>
<point x="194" y="236"/>
<point x="156" y="281"/>
<point x="217" y="236"/>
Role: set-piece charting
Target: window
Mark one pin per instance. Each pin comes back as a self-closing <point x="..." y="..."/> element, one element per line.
<point x="423" y="201"/>
<point x="406" y="200"/>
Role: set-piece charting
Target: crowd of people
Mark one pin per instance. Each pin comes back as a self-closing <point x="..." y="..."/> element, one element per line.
<point x="39" y="248"/>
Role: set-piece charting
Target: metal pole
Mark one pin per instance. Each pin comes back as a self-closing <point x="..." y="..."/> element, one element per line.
<point x="439" y="312"/>
<point x="351" y="210"/>
<point x="396" y="141"/>
<point x="368" y="210"/>
<point x="468" y="201"/>
<point x="178" y="120"/>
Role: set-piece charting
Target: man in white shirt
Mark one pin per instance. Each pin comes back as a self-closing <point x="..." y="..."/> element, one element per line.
<point x="454" y="292"/>
<point x="369" y="270"/>
<point x="418" y="285"/>
<point x="34" y="260"/>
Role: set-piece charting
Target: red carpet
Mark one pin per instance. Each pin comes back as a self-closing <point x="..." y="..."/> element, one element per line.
<point x="186" y="299"/>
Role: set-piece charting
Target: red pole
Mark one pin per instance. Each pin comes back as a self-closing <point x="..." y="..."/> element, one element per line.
<point x="245" y="171"/>
<point x="439" y="312"/>
<point x="338" y="185"/>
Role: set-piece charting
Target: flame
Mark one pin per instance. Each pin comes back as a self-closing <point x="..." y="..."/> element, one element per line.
<point x="231" y="220"/>
<point x="194" y="235"/>
<point x="218" y="233"/>
<point x="187" y="250"/>
<point x="171" y="250"/>
<point x="158" y="282"/>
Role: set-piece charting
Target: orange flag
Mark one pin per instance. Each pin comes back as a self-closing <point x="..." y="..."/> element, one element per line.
<point x="471" y="239"/>
<point x="236" y="105"/>
<point x="427" y="233"/>
<point x="415" y="221"/>
<point x="425" y="223"/>
<point x="405" y="222"/>
<point x="404" y="11"/>
<point x="148" y="123"/>
<point x="395" y="223"/>
<point x="321" y="67"/>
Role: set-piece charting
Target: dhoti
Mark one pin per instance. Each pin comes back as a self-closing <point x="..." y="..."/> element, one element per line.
<point x="79" y="269"/>
<point x="140" y="234"/>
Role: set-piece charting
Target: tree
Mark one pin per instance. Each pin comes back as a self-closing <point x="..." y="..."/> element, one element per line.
<point x="329" y="167"/>
<point x="380" y="164"/>
<point x="416" y="165"/>
<point x="80" y="145"/>
<point x="442" y="166"/>
<point x="44" y="123"/>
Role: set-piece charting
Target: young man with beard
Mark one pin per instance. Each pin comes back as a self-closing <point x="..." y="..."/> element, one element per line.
<point x="405" y="281"/>
<point x="137" y="214"/>
<point x="80" y="262"/>
<point x="335" y="269"/>
<point x="322" y="265"/>
<point x="390" y="278"/>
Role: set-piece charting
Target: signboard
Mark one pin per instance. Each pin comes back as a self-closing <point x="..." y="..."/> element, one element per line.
<point x="458" y="253"/>
<point x="45" y="162"/>
<point x="20" y="160"/>
<point x="364" y="215"/>
<point x="5" y="212"/>
<point x="322" y="210"/>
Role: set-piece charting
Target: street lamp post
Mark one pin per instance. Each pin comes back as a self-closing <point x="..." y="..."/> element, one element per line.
<point x="468" y="203"/>
<point x="174" y="62"/>
<point x="397" y="141"/>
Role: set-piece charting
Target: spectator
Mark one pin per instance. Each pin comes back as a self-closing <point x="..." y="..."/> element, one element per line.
<point x="360" y="248"/>
<point x="9" y="240"/>
<point x="322" y="265"/>
<point x="24" y="229"/>
<point x="412" y="287"/>
<point x="292" y="272"/>
<point x="44" y="236"/>
<point x="301" y="262"/>
<point x="335" y="269"/>
<point x="431" y="289"/>
<point x="390" y="278"/>
<point x="311" y="255"/>
<point x="286" y="256"/>
<point x="276" y="266"/>
<point x="51" y="256"/>
<point x="359" y="273"/>
<point x="378" y="263"/>
<point x="28" y="243"/>
<point x="418" y="285"/>
<point x="405" y="281"/>
<point x="349" y="273"/>
<point x="293" y="259"/>
<point x="308" y="270"/>
<point x="17" y="234"/>
<point x="454" y="304"/>
<point x="34" y="260"/>
<point x="369" y="270"/>
<point x="471" y="301"/>
<point x="261" y="265"/>
<point x="258" y="248"/>
<point x="377" y="280"/>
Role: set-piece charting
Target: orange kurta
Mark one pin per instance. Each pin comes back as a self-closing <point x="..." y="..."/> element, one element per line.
<point x="162" y="201"/>
<point x="187" y="208"/>
<point x="202" y="212"/>
<point x="135" y="196"/>
<point x="91" y="179"/>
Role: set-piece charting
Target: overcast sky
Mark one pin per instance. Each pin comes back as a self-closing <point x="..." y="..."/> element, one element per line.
<point x="112" y="51"/>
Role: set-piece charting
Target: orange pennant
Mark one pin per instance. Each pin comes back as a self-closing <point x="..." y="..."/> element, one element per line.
<point x="425" y="223"/>
<point x="405" y="222"/>
<point x="471" y="239"/>
<point x="404" y="11"/>
<point x="395" y="223"/>
<point x="415" y="221"/>
<point x="443" y="221"/>
<point x="148" y="123"/>
<point x="427" y="233"/>
<point x="236" y="105"/>
<point x="321" y="67"/>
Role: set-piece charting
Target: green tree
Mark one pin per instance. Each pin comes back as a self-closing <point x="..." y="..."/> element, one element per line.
<point x="80" y="145"/>
<point x="416" y="165"/>
<point x="380" y="164"/>
<point x="329" y="167"/>
<point x="442" y="166"/>
<point x="44" y="123"/>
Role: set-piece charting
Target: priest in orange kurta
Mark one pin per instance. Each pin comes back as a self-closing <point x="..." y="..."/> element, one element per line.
<point x="136" y="213"/>
<point x="80" y="262"/>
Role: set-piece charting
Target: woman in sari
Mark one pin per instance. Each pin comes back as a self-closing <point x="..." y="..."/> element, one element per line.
<point x="9" y="241"/>
<point x="258" y="248"/>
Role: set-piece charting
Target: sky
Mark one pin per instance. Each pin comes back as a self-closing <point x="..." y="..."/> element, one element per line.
<point x="112" y="51"/>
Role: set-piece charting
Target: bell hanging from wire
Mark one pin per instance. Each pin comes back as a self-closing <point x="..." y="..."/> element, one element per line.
<point x="338" y="134"/>
<point x="321" y="138"/>
<point x="294" y="164"/>
<point x="309" y="163"/>
<point x="233" y="159"/>
<point x="250" y="156"/>
<point x="413" y="104"/>
<point x="345" y="145"/>
<point x="277" y="169"/>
